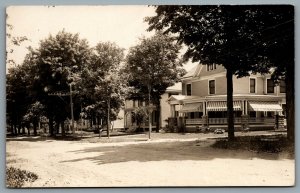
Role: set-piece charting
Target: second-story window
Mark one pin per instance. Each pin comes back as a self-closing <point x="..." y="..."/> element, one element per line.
<point x="282" y="86"/>
<point x="212" y="87"/>
<point x="252" y="85"/>
<point x="210" y="67"/>
<point x="189" y="89"/>
<point x="270" y="86"/>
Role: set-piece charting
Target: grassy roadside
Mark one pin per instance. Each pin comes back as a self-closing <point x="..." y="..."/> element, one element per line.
<point x="268" y="144"/>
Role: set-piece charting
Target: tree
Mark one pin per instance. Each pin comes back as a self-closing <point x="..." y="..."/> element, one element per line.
<point x="101" y="84"/>
<point x="152" y="66"/>
<point x="33" y="115"/>
<point x="218" y="35"/>
<point x="140" y="116"/>
<point x="17" y="96"/>
<point x="277" y="46"/>
<point x="58" y="62"/>
<point x="12" y="43"/>
<point x="16" y="92"/>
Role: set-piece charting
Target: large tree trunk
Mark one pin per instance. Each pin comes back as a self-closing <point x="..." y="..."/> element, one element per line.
<point x="230" y="117"/>
<point x="63" y="131"/>
<point x="290" y="103"/>
<point x="57" y="127"/>
<point x="35" y="128"/>
<point x="51" y="129"/>
<point x="23" y="129"/>
<point x="15" y="132"/>
<point x="28" y="129"/>
<point x="19" y="128"/>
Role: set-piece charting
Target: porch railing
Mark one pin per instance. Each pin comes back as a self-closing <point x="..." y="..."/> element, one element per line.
<point x="193" y="121"/>
<point x="217" y="121"/>
<point x="237" y="120"/>
<point x="261" y="120"/>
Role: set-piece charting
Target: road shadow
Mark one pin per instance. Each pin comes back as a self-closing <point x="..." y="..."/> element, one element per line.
<point x="42" y="138"/>
<point x="170" y="151"/>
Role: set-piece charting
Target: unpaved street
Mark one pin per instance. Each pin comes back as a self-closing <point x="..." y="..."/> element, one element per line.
<point x="163" y="161"/>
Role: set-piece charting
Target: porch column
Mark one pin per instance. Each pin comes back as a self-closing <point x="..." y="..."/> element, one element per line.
<point x="243" y="107"/>
<point x="280" y="122"/>
<point x="204" y="108"/>
<point x="205" y="116"/>
<point x="246" y="107"/>
<point x="245" y="116"/>
<point x="172" y="110"/>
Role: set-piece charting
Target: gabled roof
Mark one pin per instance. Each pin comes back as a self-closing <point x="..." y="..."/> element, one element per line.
<point x="200" y="71"/>
<point x="193" y="72"/>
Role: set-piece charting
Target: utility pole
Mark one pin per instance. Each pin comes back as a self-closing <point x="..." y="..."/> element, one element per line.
<point x="72" y="114"/>
<point x="150" y="110"/>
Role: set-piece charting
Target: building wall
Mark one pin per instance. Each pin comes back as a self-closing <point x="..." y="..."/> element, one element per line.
<point x="165" y="109"/>
<point x="200" y="88"/>
<point x="184" y="88"/>
<point x="221" y="85"/>
<point x="119" y="123"/>
<point x="260" y="85"/>
<point x="240" y="86"/>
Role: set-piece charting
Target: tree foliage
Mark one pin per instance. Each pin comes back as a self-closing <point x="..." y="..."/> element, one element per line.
<point x="61" y="65"/>
<point x="233" y="36"/>
<point x="140" y="115"/>
<point x="101" y="87"/>
<point x="152" y="66"/>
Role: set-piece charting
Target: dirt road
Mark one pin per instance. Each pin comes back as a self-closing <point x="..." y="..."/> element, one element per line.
<point x="164" y="161"/>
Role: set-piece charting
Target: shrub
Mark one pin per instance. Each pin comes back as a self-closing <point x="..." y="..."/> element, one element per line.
<point x="15" y="178"/>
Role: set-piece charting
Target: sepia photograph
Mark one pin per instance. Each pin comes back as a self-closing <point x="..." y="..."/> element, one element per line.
<point x="150" y="96"/>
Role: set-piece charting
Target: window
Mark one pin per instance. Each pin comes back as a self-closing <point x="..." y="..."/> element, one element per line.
<point x="270" y="86"/>
<point x="133" y="103"/>
<point x="154" y="115"/>
<point x="252" y="85"/>
<point x="188" y="89"/>
<point x="210" y="67"/>
<point x="212" y="88"/>
<point x="282" y="86"/>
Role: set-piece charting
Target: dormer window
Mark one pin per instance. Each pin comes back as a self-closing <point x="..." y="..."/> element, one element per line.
<point x="210" y="67"/>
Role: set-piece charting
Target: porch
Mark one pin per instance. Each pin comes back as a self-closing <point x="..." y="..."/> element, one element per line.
<point x="238" y="120"/>
<point x="259" y="112"/>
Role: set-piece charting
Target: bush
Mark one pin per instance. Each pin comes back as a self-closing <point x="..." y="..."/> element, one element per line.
<point x="15" y="178"/>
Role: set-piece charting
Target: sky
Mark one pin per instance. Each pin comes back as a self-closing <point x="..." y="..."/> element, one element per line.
<point x="121" y="24"/>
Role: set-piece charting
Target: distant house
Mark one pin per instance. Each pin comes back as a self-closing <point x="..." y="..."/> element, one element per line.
<point x="257" y="101"/>
<point x="131" y="105"/>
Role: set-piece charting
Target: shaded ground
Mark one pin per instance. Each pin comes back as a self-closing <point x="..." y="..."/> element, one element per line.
<point x="165" y="160"/>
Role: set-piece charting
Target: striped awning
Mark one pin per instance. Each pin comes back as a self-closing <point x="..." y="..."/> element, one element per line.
<point x="264" y="106"/>
<point x="222" y="106"/>
<point x="191" y="107"/>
